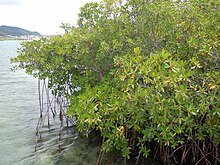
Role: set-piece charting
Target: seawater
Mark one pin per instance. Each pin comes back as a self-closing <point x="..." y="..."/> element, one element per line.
<point x="18" y="108"/>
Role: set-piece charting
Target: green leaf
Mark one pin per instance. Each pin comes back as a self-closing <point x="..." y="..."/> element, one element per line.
<point x="137" y="51"/>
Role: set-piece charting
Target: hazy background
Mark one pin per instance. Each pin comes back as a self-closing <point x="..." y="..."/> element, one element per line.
<point x="43" y="16"/>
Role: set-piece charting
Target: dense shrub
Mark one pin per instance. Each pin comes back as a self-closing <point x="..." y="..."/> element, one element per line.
<point x="148" y="72"/>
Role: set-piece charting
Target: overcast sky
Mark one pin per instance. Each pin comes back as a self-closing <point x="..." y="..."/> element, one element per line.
<point x="44" y="16"/>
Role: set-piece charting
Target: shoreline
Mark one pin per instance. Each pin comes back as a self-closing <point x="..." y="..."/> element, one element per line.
<point x="6" y="39"/>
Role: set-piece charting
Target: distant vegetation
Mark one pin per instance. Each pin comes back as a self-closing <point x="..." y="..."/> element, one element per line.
<point x="15" y="31"/>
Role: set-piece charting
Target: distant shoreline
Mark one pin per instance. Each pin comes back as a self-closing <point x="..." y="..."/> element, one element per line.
<point x="7" y="38"/>
<point x="22" y="38"/>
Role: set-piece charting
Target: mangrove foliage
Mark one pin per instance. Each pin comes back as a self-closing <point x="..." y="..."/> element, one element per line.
<point x="143" y="73"/>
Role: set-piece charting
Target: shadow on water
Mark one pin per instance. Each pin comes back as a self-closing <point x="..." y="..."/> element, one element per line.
<point x="68" y="147"/>
<point x="85" y="151"/>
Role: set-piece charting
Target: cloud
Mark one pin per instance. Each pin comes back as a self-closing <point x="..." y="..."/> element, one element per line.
<point x="10" y="2"/>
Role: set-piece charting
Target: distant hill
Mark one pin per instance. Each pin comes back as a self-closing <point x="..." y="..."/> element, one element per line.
<point x="15" y="31"/>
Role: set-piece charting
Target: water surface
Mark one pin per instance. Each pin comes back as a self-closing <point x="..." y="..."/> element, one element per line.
<point x="18" y="108"/>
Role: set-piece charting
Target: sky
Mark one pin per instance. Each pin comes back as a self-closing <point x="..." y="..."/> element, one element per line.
<point x="43" y="16"/>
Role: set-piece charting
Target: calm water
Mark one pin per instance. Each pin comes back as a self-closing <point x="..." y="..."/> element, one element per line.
<point x="19" y="112"/>
<point x="18" y="109"/>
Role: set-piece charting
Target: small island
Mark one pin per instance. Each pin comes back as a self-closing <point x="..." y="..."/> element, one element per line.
<point x="16" y="33"/>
